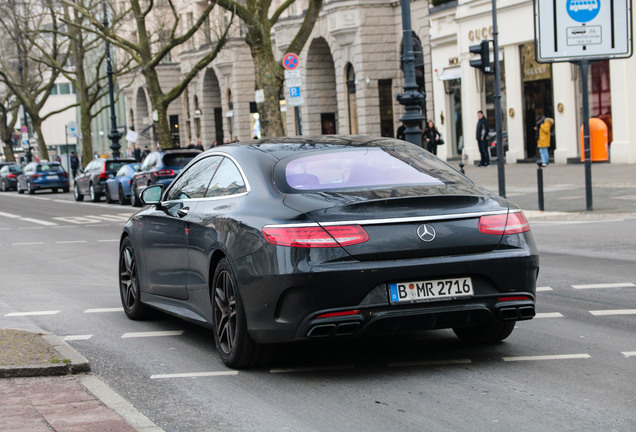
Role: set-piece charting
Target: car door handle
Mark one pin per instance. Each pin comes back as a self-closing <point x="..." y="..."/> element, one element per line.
<point x="183" y="212"/>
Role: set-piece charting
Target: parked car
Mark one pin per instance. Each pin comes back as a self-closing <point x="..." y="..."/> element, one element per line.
<point x="9" y="176"/>
<point x="92" y="180"/>
<point x="160" y="167"/>
<point x="289" y="239"/>
<point x="492" y="142"/>
<point x="42" y="175"/>
<point x="118" y="187"/>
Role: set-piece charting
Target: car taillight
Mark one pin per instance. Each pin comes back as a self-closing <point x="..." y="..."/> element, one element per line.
<point x="103" y="175"/>
<point x="164" y="173"/>
<point x="332" y="236"/>
<point x="512" y="223"/>
<point x="12" y="176"/>
<point x="36" y="176"/>
<point x="513" y="298"/>
<point x="339" y="314"/>
<point x="63" y="174"/>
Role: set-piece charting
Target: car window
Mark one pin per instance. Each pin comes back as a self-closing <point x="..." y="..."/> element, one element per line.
<point x="4" y="169"/>
<point x="94" y="165"/>
<point x="226" y="181"/>
<point x="49" y="168"/>
<point x="115" y="165"/>
<point x="14" y="169"/>
<point x="194" y="182"/>
<point x="151" y="160"/>
<point x="177" y="160"/>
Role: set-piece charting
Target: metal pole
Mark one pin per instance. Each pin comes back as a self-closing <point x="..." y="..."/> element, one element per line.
<point x="114" y="134"/>
<point x="68" y="156"/>
<point x="412" y="99"/>
<point x="498" y="115"/>
<point x="586" y="135"/>
<point x="540" y="186"/>
<point x="299" y="127"/>
<point x="28" y="156"/>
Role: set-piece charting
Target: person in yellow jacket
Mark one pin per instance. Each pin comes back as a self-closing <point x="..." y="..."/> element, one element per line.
<point x="543" y="143"/>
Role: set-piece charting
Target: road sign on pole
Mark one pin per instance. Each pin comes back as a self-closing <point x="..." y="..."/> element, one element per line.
<point x="290" y="61"/>
<point x="72" y="129"/>
<point x="574" y="30"/>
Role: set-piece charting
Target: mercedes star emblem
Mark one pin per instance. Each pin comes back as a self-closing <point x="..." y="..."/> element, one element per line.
<point x="426" y="232"/>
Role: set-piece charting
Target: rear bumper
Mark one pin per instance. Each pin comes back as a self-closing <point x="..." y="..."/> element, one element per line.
<point x="50" y="184"/>
<point x="286" y="307"/>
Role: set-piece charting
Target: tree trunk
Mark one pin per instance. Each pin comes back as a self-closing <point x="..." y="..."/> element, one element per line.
<point x="163" y="128"/>
<point x="270" y="79"/>
<point x="85" y="128"/>
<point x="8" y="150"/>
<point x="37" y="129"/>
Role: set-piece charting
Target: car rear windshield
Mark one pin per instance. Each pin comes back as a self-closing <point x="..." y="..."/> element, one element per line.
<point x="177" y="160"/>
<point x="115" y="165"/>
<point x="369" y="167"/>
<point x="14" y="169"/>
<point x="49" y="168"/>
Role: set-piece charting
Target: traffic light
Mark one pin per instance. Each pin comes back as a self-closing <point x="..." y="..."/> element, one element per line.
<point x="483" y="62"/>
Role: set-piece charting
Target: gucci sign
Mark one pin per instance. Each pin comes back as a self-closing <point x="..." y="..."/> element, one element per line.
<point x="480" y="34"/>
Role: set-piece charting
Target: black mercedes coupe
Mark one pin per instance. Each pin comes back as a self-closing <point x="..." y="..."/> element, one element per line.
<point x="288" y="239"/>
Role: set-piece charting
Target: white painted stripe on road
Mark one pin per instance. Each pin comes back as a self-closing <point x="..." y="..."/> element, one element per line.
<point x="614" y="312"/>
<point x="101" y="310"/>
<point x="112" y="218"/>
<point x="549" y="315"/>
<point x="431" y="363"/>
<point x="193" y="374"/>
<point x="312" y="369"/>
<point x="548" y="357"/>
<point x="539" y="289"/>
<point x="38" y="221"/>
<point x="33" y="313"/>
<point x="77" y="337"/>
<point x="9" y="215"/>
<point x="71" y="241"/>
<point x="107" y="241"/>
<point x="152" y="334"/>
<point x="31" y="228"/>
<point x="629" y="353"/>
<point x="606" y="285"/>
<point x="27" y="244"/>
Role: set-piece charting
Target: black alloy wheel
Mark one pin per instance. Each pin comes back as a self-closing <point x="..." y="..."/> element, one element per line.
<point x="485" y="334"/>
<point x="93" y="193"/>
<point x="121" y="197"/>
<point x="129" y="283"/>
<point x="134" y="198"/>
<point x="77" y="194"/>
<point x="30" y="188"/>
<point x="235" y="346"/>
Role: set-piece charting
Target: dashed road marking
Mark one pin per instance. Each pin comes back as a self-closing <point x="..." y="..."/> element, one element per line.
<point x="71" y="241"/>
<point x="312" y="369"/>
<point x="547" y="288"/>
<point x="27" y="244"/>
<point x="77" y="337"/>
<point x="613" y="312"/>
<point x="606" y="285"/>
<point x="629" y="353"/>
<point x="41" y="222"/>
<point x="152" y="334"/>
<point x="193" y="374"/>
<point x="549" y="315"/>
<point x="102" y="310"/>
<point x="431" y="363"/>
<point x="108" y="241"/>
<point x="32" y="313"/>
<point x="547" y="357"/>
<point x="10" y="215"/>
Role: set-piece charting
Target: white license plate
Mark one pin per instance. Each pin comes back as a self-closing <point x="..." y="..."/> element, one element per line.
<point x="430" y="290"/>
<point x="51" y="177"/>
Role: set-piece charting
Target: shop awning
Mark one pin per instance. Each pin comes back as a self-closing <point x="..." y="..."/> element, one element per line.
<point x="451" y="73"/>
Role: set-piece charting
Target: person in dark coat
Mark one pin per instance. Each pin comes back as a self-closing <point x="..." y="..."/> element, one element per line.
<point x="431" y="137"/>
<point x="482" y="138"/>
<point x="137" y="153"/>
<point x="400" y="132"/>
<point x="75" y="163"/>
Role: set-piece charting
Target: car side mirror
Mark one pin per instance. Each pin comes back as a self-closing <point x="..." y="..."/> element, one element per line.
<point x="152" y="194"/>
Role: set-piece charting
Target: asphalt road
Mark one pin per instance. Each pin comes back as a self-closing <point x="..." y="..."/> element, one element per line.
<point x="571" y="368"/>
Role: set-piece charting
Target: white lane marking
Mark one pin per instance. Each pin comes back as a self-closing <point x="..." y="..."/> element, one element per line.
<point x="152" y="334"/>
<point x="193" y="374"/>
<point x="41" y="222"/>
<point x="112" y="218"/>
<point x="78" y="219"/>
<point x="431" y="363"/>
<point x="548" y="357"/>
<point x="613" y="312"/>
<point x="27" y="244"/>
<point x="100" y="310"/>
<point x="31" y="228"/>
<point x="71" y="241"/>
<point x="539" y="289"/>
<point x="549" y="315"/>
<point x="108" y="241"/>
<point x="33" y="313"/>
<point x="312" y="369"/>
<point x="606" y="285"/>
<point x="10" y="216"/>
<point x="629" y="353"/>
<point x="77" y="337"/>
<point x="64" y="226"/>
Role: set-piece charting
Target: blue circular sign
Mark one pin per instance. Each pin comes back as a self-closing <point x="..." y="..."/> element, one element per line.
<point x="583" y="10"/>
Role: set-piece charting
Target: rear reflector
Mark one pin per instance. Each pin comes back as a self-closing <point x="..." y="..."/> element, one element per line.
<point x="332" y="236"/>
<point x="339" y="314"/>
<point x="512" y="223"/>
<point x="513" y="298"/>
<point x="164" y="173"/>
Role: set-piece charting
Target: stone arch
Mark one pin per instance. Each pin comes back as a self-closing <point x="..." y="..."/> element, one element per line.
<point x="211" y="109"/>
<point x="322" y="112"/>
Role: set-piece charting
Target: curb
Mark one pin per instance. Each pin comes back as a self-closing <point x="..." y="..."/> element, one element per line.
<point x="74" y="361"/>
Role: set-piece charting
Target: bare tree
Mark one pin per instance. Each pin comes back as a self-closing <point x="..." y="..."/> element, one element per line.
<point x="29" y="79"/>
<point x="158" y="29"/>
<point x="9" y="109"/>
<point x="269" y="70"/>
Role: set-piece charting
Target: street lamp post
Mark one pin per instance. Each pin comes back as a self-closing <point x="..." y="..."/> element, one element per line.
<point x="412" y="98"/>
<point x="114" y="134"/>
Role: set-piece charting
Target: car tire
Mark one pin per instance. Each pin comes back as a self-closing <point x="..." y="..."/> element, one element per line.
<point x="485" y="334"/>
<point x="134" y="199"/>
<point x="77" y="194"/>
<point x="30" y="188"/>
<point x="235" y="346"/>
<point x="122" y="197"/>
<point x="129" y="289"/>
<point x="54" y="190"/>
<point x="109" y="200"/>
<point x="19" y="189"/>
<point x="95" y="197"/>
<point x="65" y="189"/>
<point x="3" y="186"/>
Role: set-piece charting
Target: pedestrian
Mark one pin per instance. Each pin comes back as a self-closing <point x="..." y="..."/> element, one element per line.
<point x="482" y="141"/>
<point x="145" y="153"/>
<point x="431" y="137"/>
<point x="75" y="163"/>
<point x="400" y="132"/>
<point x="137" y="153"/>
<point x="199" y="145"/>
<point x="543" y="143"/>
<point x="236" y="139"/>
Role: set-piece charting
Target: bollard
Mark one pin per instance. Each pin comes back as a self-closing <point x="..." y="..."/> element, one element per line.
<point x="540" y="185"/>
